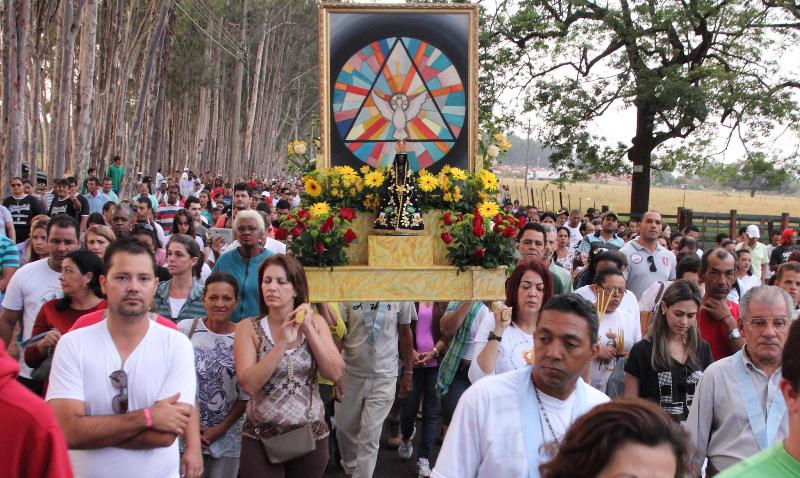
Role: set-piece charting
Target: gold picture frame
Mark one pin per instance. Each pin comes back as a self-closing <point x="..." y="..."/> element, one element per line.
<point x="342" y="19"/>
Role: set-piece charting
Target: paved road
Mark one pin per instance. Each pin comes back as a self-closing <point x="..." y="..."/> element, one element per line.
<point x="391" y="466"/>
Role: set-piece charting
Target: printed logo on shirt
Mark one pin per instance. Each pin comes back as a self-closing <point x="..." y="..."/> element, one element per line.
<point x="665" y="261"/>
<point x="636" y="258"/>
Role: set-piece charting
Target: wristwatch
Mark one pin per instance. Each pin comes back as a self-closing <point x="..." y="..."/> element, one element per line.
<point x="735" y="334"/>
<point x="435" y="352"/>
<point x="493" y="336"/>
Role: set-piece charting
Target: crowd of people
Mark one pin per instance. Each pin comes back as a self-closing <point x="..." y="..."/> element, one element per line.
<point x="169" y="334"/>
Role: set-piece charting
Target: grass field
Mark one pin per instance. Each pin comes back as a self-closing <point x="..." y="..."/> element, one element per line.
<point x="666" y="200"/>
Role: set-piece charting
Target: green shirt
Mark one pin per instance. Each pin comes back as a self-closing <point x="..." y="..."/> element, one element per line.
<point x="116" y="173"/>
<point x="773" y="462"/>
<point x="562" y="279"/>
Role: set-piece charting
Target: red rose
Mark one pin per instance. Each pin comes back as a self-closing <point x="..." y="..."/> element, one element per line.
<point x="281" y="234"/>
<point x="347" y="213"/>
<point x="478" y="230"/>
<point x="479" y="252"/>
<point x="498" y="218"/>
<point x="296" y="231"/>
<point x="327" y="226"/>
<point x="508" y="231"/>
<point x="521" y="222"/>
<point x="477" y="220"/>
<point x="319" y="248"/>
<point x="447" y="218"/>
<point x="447" y="238"/>
<point x="303" y="214"/>
<point x="496" y="228"/>
<point x="349" y="236"/>
<point x="460" y="217"/>
<point x="303" y="226"/>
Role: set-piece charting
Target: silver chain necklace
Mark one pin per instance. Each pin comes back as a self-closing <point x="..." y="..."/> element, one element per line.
<point x="546" y="418"/>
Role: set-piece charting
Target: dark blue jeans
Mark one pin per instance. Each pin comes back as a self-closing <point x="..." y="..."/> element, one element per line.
<point x="457" y="388"/>
<point x="425" y="390"/>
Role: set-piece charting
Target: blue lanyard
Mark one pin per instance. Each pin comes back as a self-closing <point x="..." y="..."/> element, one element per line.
<point x="532" y="431"/>
<point x="377" y="323"/>
<point x="764" y="430"/>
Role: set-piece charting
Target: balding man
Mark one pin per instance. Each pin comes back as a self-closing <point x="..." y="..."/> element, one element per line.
<point x="719" y="316"/>
<point x="648" y="261"/>
<point x="738" y="409"/>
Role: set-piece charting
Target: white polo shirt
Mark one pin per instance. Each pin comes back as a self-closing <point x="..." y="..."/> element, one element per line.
<point x="639" y="275"/>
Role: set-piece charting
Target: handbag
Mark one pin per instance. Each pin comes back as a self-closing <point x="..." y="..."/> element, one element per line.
<point x="295" y="443"/>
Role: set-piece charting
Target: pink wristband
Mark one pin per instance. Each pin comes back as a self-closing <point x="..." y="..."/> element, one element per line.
<point x="148" y="418"/>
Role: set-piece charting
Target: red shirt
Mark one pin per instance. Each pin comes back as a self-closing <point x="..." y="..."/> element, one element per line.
<point x="51" y="318"/>
<point x="30" y="439"/>
<point x="716" y="333"/>
<point x="95" y="317"/>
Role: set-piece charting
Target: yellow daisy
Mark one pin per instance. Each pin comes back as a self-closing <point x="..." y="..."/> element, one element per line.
<point x="313" y="187"/>
<point x="365" y="169"/>
<point x="319" y="209"/>
<point x="373" y="179"/>
<point x="457" y="174"/>
<point x="347" y="171"/>
<point x="426" y="182"/>
<point x="488" y="209"/>
<point x="448" y="197"/>
<point x="457" y="196"/>
<point x="488" y="180"/>
<point x="502" y="142"/>
<point x="446" y="169"/>
<point x="444" y="182"/>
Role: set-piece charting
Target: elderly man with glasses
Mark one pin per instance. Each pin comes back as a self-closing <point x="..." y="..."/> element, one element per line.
<point x="738" y="409"/>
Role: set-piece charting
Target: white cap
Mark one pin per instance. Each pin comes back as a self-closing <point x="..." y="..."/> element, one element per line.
<point x="752" y="231"/>
<point x="185" y="169"/>
<point x="265" y="194"/>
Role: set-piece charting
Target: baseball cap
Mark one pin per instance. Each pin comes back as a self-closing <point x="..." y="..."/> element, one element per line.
<point x="610" y="213"/>
<point x="563" y="210"/>
<point x="265" y="194"/>
<point x="752" y="231"/>
<point x="185" y="170"/>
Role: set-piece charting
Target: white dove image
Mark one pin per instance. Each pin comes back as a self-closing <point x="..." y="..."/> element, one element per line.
<point x="399" y="110"/>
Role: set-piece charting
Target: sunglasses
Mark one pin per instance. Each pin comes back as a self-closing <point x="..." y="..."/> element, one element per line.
<point x="143" y="226"/>
<point x="119" y="379"/>
<point x="651" y="260"/>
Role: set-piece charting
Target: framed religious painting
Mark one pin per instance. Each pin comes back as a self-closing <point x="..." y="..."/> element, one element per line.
<point x="390" y="73"/>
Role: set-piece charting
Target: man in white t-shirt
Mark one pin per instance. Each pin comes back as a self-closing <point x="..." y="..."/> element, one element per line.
<point x="502" y="421"/>
<point x="34" y="284"/>
<point x="574" y="227"/>
<point x="378" y="334"/>
<point x="124" y="389"/>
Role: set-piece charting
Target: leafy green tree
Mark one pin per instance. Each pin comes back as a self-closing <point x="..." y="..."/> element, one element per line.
<point x="682" y="67"/>
<point x="755" y="173"/>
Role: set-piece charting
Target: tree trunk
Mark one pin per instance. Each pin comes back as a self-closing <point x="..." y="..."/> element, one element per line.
<point x="640" y="155"/>
<point x="17" y="16"/>
<point x="85" y="108"/>
<point x="235" y="153"/>
<point x="251" y="108"/>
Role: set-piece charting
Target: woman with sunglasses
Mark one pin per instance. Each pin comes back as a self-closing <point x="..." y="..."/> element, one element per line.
<point x="80" y="282"/>
<point x="619" y="330"/>
<point x="220" y="400"/>
<point x="277" y="357"/>
<point x="673" y="350"/>
<point x="181" y="297"/>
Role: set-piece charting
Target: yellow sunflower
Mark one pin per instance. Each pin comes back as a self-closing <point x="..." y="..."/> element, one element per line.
<point x="313" y="187"/>
<point x="502" y="142"/>
<point x="373" y="179"/>
<point x="488" y="209"/>
<point x="319" y="209"/>
<point x="446" y="169"/>
<point x="458" y="174"/>
<point x="488" y="180"/>
<point x="426" y="182"/>
<point x="365" y="169"/>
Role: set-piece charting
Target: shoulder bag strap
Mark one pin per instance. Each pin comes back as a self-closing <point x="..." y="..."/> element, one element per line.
<point x="194" y="327"/>
<point x="658" y="297"/>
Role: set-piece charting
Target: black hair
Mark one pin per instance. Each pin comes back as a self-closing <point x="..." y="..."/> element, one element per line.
<point x="64" y="221"/>
<point x="688" y="263"/>
<point x="283" y="204"/>
<point x="241" y="187"/>
<point x="215" y="277"/>
<point x="96" y="218"/>
<point x="691" y="228"/>
<point x="129" y="246"/>
<point x="530" y="226"/>
<point x="108" y="205"/>
<point x="145" y="200"/>
<point x="548" y="214"/>
<point x="606" y="272"/>
<point x="790" y="362"/>
<point x="87" y="262"/>
<point x="721" y="236"/>
<point x="141" y="228"/>
<point x="687" y="241"/>
<point x="575" y="304"/>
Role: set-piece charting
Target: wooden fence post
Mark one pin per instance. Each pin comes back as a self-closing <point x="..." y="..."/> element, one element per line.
<point x="604" y="208"/>
<point x="681" y="213"/>
<point x="784" y="221"/>
<point x="688" y="218"/>
<point x="733" y="227"/>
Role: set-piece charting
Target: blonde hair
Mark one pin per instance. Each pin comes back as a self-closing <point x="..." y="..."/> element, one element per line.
<point x="102" y="230"/>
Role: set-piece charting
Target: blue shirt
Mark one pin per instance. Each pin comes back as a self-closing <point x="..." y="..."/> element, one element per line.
<point x="246" y="274"/>
<point x="96" y="203"/>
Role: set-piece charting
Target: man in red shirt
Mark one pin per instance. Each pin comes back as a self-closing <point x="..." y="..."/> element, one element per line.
<point x="718" y="317"/>
<point x="30" y="439"/>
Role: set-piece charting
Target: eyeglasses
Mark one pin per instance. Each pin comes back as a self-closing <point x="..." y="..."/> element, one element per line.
<point x="652" y="262"/>
<point x="119" y="379"/>
<point x="761" y="324"/>
<point x="613" y="290"/>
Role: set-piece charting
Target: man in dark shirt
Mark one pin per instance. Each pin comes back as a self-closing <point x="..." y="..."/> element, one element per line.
<point x="781" y="253"/>
<point x="23" y="207"/>
<point x="63" y="203"/>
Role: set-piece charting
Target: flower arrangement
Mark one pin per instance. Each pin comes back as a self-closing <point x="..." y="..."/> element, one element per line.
<point x="492" y="148"/>
<point x="318" y="236"/>
<point x="455" y="189"/>
<point x="484" y="238"/>
<point x="344" y="187"/>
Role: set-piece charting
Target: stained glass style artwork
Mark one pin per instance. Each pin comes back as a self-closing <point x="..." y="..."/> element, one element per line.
<point x="399" y="88"/>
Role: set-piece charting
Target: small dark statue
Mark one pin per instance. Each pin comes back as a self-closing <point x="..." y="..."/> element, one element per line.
<point x="399" y="211"/>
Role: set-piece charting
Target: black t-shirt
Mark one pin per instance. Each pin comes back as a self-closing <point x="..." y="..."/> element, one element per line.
<point x="672" y="389"/>
<point x="64" y="206"/>
<point x="781" y="254"/>
<point x="22" y="211"/>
